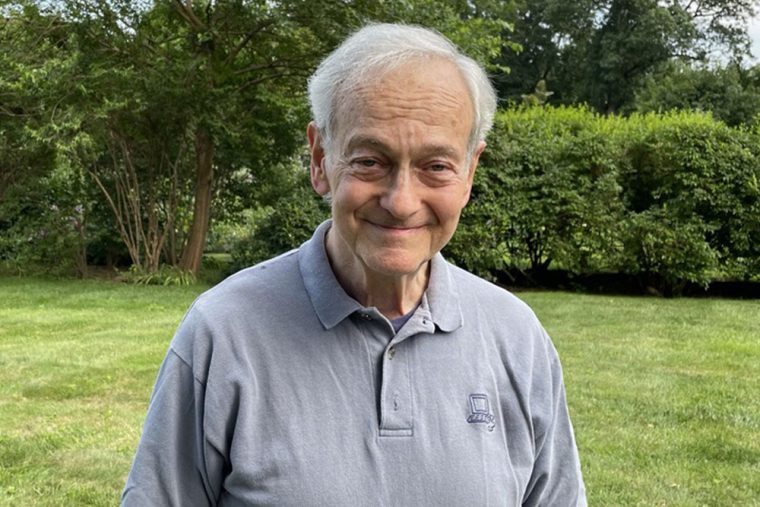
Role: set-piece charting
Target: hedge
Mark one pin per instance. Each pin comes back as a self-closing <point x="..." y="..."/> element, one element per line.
<point x="670" y="198"/>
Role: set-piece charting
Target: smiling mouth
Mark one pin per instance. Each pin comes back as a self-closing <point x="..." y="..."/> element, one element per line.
<point x="396" y="228"/>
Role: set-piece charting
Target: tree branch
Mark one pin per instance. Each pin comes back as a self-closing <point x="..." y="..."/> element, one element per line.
<point x="280" y="64"/>
<point x="262" y="79"/>
<point x="186" y="11"/>
<point x="239" y="47"/>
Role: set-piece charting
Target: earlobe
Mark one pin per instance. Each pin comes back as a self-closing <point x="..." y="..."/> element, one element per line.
<point x="318" y="160"/>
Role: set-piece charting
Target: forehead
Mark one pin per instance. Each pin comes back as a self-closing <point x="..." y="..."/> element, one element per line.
<point x="430" y="93"/>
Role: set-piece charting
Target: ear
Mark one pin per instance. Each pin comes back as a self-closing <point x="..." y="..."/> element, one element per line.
<point x="318" y="161"/>
<point x="471" y="169"/>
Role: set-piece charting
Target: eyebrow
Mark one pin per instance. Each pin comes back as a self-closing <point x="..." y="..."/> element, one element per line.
<point x="360" y="140"/>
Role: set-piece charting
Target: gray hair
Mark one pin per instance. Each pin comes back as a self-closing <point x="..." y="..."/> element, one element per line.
<point x="381" y="47"/>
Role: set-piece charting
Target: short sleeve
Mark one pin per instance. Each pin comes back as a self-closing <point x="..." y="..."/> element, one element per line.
<point x="169" y="467"/>
<point x="556" y="479"/>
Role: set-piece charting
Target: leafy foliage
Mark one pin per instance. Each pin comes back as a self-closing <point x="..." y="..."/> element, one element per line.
<point x="601" y="52"/>
<point x="45" y="227"/>
<point x="731" y="93"/>
<point x="671" y="198"/>
<point x="159" y="120"/>
<point x="177" y="110"/>
<point x="282" y="227"/>
<point x="666" y="253"/>
<point x="692" y="170"/>
<point x="165" y="275"/>
<point x="546" y="191"/>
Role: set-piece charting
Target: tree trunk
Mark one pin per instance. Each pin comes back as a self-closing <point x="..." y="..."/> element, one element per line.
<point x="204" y="178"/>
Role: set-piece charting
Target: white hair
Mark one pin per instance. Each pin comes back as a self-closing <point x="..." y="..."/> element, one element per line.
<point x="381" y="47"/>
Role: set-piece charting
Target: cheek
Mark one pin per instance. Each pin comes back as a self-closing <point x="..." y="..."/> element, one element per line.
<point x="347" y="198"/>
<point x="448" y="207"/>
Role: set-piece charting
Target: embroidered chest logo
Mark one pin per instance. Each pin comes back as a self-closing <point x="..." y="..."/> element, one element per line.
<point x="480" y="411"/>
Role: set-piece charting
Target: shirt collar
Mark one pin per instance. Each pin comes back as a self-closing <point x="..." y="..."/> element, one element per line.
<point x="332" y="304"/>
<point x="328" y="298"/>
<point x="442" y="296"/>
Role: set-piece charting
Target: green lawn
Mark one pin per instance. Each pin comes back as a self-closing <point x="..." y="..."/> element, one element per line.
<point x="664" y="394"/>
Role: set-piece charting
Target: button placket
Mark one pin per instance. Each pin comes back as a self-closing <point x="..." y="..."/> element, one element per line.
<point x="396" y="398"/>
<point x="396" y="402"/>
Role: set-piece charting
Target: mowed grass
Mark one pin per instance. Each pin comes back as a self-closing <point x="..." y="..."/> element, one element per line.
<point x="664" y="394"/>
<point x="77" y="364"/>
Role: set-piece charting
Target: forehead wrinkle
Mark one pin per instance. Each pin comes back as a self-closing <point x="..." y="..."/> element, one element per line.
<point x="425" y="96"/>
<point x="426" y="106"/>
<point x="361" y="140"/>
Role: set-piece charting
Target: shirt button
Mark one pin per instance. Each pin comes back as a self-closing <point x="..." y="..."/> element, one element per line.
<point x="391" y="352"/>
<point x="366" y="316"/>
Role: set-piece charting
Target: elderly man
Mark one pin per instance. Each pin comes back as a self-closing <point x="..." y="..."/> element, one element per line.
<point x="362" y="368"/>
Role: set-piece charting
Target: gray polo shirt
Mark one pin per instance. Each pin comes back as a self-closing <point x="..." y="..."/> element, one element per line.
<point x="279" y="389"/>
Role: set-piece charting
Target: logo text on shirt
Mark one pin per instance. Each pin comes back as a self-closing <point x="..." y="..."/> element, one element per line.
<point x="480" y="411"/>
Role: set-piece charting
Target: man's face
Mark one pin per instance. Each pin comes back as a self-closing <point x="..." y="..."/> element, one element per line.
<point x="398" y="169"/>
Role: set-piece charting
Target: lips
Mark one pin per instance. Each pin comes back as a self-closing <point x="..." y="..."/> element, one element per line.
<point x="399" y="228"/>
<point x="385" y="232"/>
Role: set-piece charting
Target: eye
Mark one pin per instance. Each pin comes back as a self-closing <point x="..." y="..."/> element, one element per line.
<point x="368" y="168"/>
<point x="438" y="167"/>
<point x="367" y="164"/>
<point x="438" y="172"/>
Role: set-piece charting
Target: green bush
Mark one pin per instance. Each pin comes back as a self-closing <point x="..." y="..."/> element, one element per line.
<point x="287" y="224"/>
<point x="546" y="193"/>
<point x="666" y="254"/>
<point x="671" y="198"/>
<point x="57" y="223"/>
<point x="166" y="275"/>
<point x="699" y="176"/>
<point x="43" y="226"/>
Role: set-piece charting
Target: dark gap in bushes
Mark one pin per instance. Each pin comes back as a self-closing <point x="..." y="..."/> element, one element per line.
<point x="620" y="284"/>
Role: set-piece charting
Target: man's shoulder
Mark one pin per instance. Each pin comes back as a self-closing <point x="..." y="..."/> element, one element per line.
<point x="491" y="300"/>
<point x="271" y="279"/>
<point x="473" y="285"/>
<point x="501" y="316"/>
<point x="248" y="301"/>
<point x="253" y="305"/>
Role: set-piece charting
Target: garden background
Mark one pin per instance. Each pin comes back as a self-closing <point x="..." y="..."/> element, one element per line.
<point x="148" y="149"/>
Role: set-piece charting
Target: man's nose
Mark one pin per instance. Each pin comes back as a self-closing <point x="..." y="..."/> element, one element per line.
<point x="400" y="198"/>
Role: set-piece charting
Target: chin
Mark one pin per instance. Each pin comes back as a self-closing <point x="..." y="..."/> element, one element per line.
<point x="394" y="267"/>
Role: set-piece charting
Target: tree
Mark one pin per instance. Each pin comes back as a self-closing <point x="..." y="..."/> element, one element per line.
<point x="599" y="52"/>
<point x="173" y="106"/>
<point x="43" y="202"/>
<point x="27" y="55"/>
<point x="730" y="92"/>
<point x="177" y="88"/>
<point x="258" y="58"/>
<point x="175" y="103"/>
<point x="547" y="33"/>
<point x="634" y="38"/>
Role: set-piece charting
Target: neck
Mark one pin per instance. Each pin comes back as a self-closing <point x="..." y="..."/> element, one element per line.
<point x="393" y="295"/>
